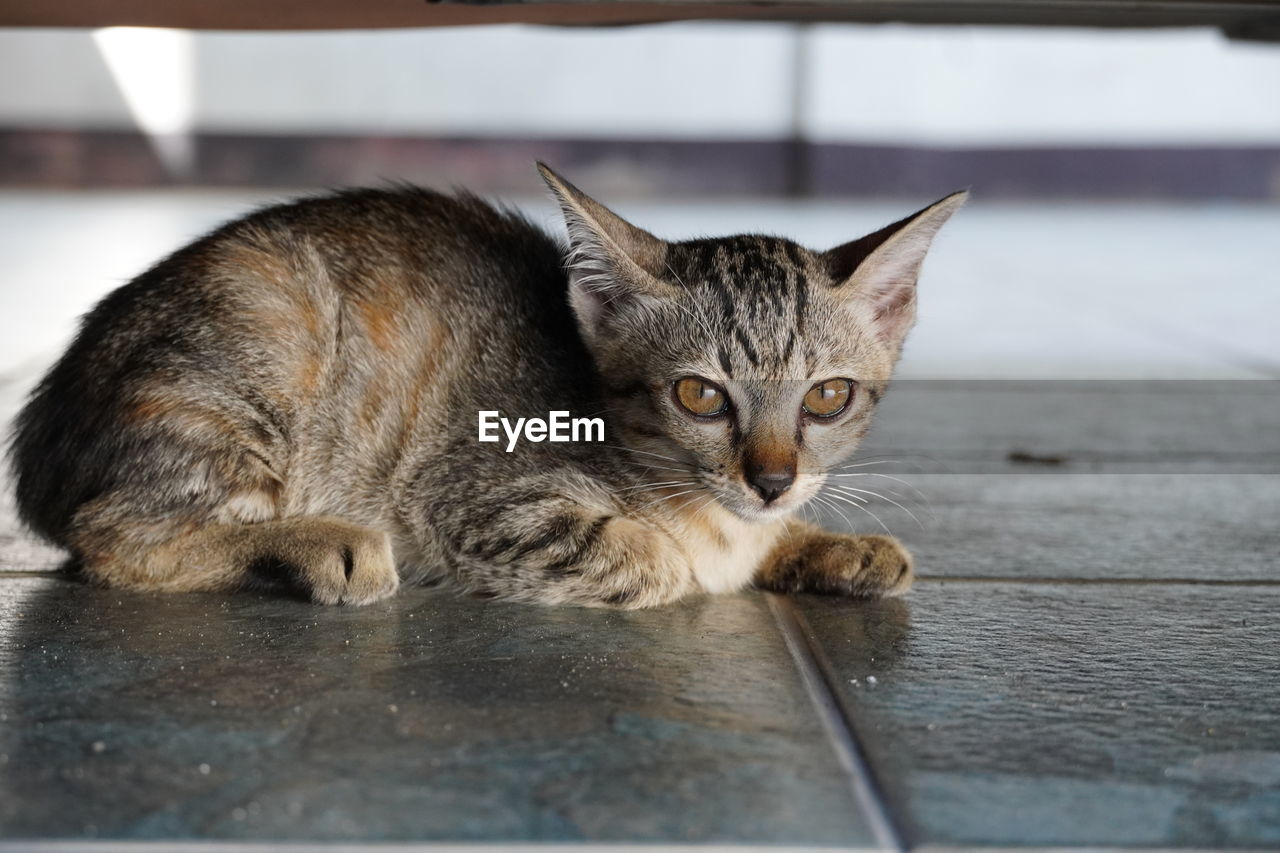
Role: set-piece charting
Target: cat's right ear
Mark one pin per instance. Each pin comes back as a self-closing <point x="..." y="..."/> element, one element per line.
<point x="611" y="261"/>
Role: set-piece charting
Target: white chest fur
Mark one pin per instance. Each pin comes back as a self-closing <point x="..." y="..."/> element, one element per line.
<point x="724" y="550"/>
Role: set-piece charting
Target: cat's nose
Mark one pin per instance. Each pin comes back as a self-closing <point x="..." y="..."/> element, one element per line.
<point x="770" y="484"/>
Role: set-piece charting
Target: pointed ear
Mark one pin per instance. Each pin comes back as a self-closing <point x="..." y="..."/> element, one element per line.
<point x="880" y="270"/>
<point x="610" y="260"/>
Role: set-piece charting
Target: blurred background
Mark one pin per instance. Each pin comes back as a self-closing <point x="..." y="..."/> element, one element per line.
<point x="685" y="109"/>
<point x="1124" y="224"/>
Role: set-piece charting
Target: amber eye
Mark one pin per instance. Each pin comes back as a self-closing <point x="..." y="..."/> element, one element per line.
<point x="827" y="399"/>
<point x="701" y="397"/>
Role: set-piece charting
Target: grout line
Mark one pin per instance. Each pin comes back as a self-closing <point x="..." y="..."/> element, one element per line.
<point x="1054" y="581"/>
<point x="867" y="792"/>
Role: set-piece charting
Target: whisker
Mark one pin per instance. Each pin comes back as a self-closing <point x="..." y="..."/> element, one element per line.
<point x="645" y="452"/>
<point x="706" y="502"/>
<point x="844" y="515"/>
<point x="910" y="486"/>
<point x="697" y="318"/>
<point x="864" y="509"/>
<point x="906" y="493"/>
<point x="855" y="497"/>
<point x="674" y="274"/>
<point x="645" y="487"/>
<point x="664" y="498"/>
<point x="916" y="495"/>
<point x="891" y="459"/>
<point x="650" y="466"/>
<point x="816" y="501"/>
<point x="918" y="462"/>
<point x="885" y="498"/>
<point x="832" y="506"/>
<point x="871" y="462"/>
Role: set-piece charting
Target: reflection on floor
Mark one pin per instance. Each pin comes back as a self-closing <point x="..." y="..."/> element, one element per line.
<point x="1089" y="660"/>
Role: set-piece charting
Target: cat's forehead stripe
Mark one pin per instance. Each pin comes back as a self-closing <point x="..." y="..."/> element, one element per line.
<point x="726" y="364"/>
<point x="744" y="343"/>
<point x="789" y="347"/>
<point x="802" y="295"/>
<point x="764" y="265"/>
<point x="755" y="283"/>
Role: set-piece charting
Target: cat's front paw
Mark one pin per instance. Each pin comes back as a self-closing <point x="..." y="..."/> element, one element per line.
<point x="336" y="562"/>
<point x="636" y="566"/>
<point x="870" y="566"/>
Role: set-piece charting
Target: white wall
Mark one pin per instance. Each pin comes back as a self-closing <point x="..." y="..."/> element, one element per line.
<point x="56" y="78"/>
<point x="926" y="85"/>
<point x="652" y="81"/>
<point x="974" y="86"/>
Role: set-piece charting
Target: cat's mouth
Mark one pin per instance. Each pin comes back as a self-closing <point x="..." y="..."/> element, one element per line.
<point x="746" y="501"/>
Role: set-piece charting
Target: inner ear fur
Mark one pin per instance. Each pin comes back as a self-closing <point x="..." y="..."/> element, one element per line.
<point x="881" y="269"/>
<point x="844" y="260"/>
<point x="605" y="246"/>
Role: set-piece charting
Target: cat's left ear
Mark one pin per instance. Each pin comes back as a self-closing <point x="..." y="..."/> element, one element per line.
<point x="611" y="261"/>
<point x="880" y="270"/>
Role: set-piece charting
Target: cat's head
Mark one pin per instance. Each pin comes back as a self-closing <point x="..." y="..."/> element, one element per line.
<point x="746" y="366"/>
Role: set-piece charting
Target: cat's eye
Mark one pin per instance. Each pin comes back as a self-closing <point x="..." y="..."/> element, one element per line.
<point x="828" y="398"/>
<point x="701" y="397"/>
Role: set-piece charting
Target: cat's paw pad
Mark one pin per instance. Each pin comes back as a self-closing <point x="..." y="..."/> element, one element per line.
<point x="861" y="566"/>
<point x="342" y="563"/>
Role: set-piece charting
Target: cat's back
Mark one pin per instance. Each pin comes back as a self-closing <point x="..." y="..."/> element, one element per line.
<point x="396" y="243"/>
<point x="332" y="324"/>
<point x="405" y="267"/>
<point x="388" y="270"/>
<point x="439" y="241"/>
<point x="408" y="219"/>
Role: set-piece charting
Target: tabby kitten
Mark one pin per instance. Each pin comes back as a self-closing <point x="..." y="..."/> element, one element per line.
<point x="291" y="402"/>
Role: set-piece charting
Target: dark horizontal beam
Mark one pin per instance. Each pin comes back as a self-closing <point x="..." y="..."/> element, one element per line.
<point x="658" y="167"/>
<point x="1244" y="18"/>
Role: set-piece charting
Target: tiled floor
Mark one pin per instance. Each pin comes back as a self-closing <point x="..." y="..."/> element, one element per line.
<point x="1092" y="658"/>
<point x="428" y="718"/>
<point x="1065" y="714"/>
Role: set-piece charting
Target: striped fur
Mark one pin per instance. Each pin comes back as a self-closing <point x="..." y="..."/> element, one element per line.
<point x="290" y="403"/>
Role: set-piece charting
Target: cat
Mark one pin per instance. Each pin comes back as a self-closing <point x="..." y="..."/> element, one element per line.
<point x="290" y="403"/>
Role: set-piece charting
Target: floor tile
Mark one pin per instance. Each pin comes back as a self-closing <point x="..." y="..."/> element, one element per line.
<point x="1074" y="714"/>
<point x="1189" y="426"/>
<point x="1073" y="479"/>
<point x="430" y="717"/>
<point x="1217" y="527"/>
